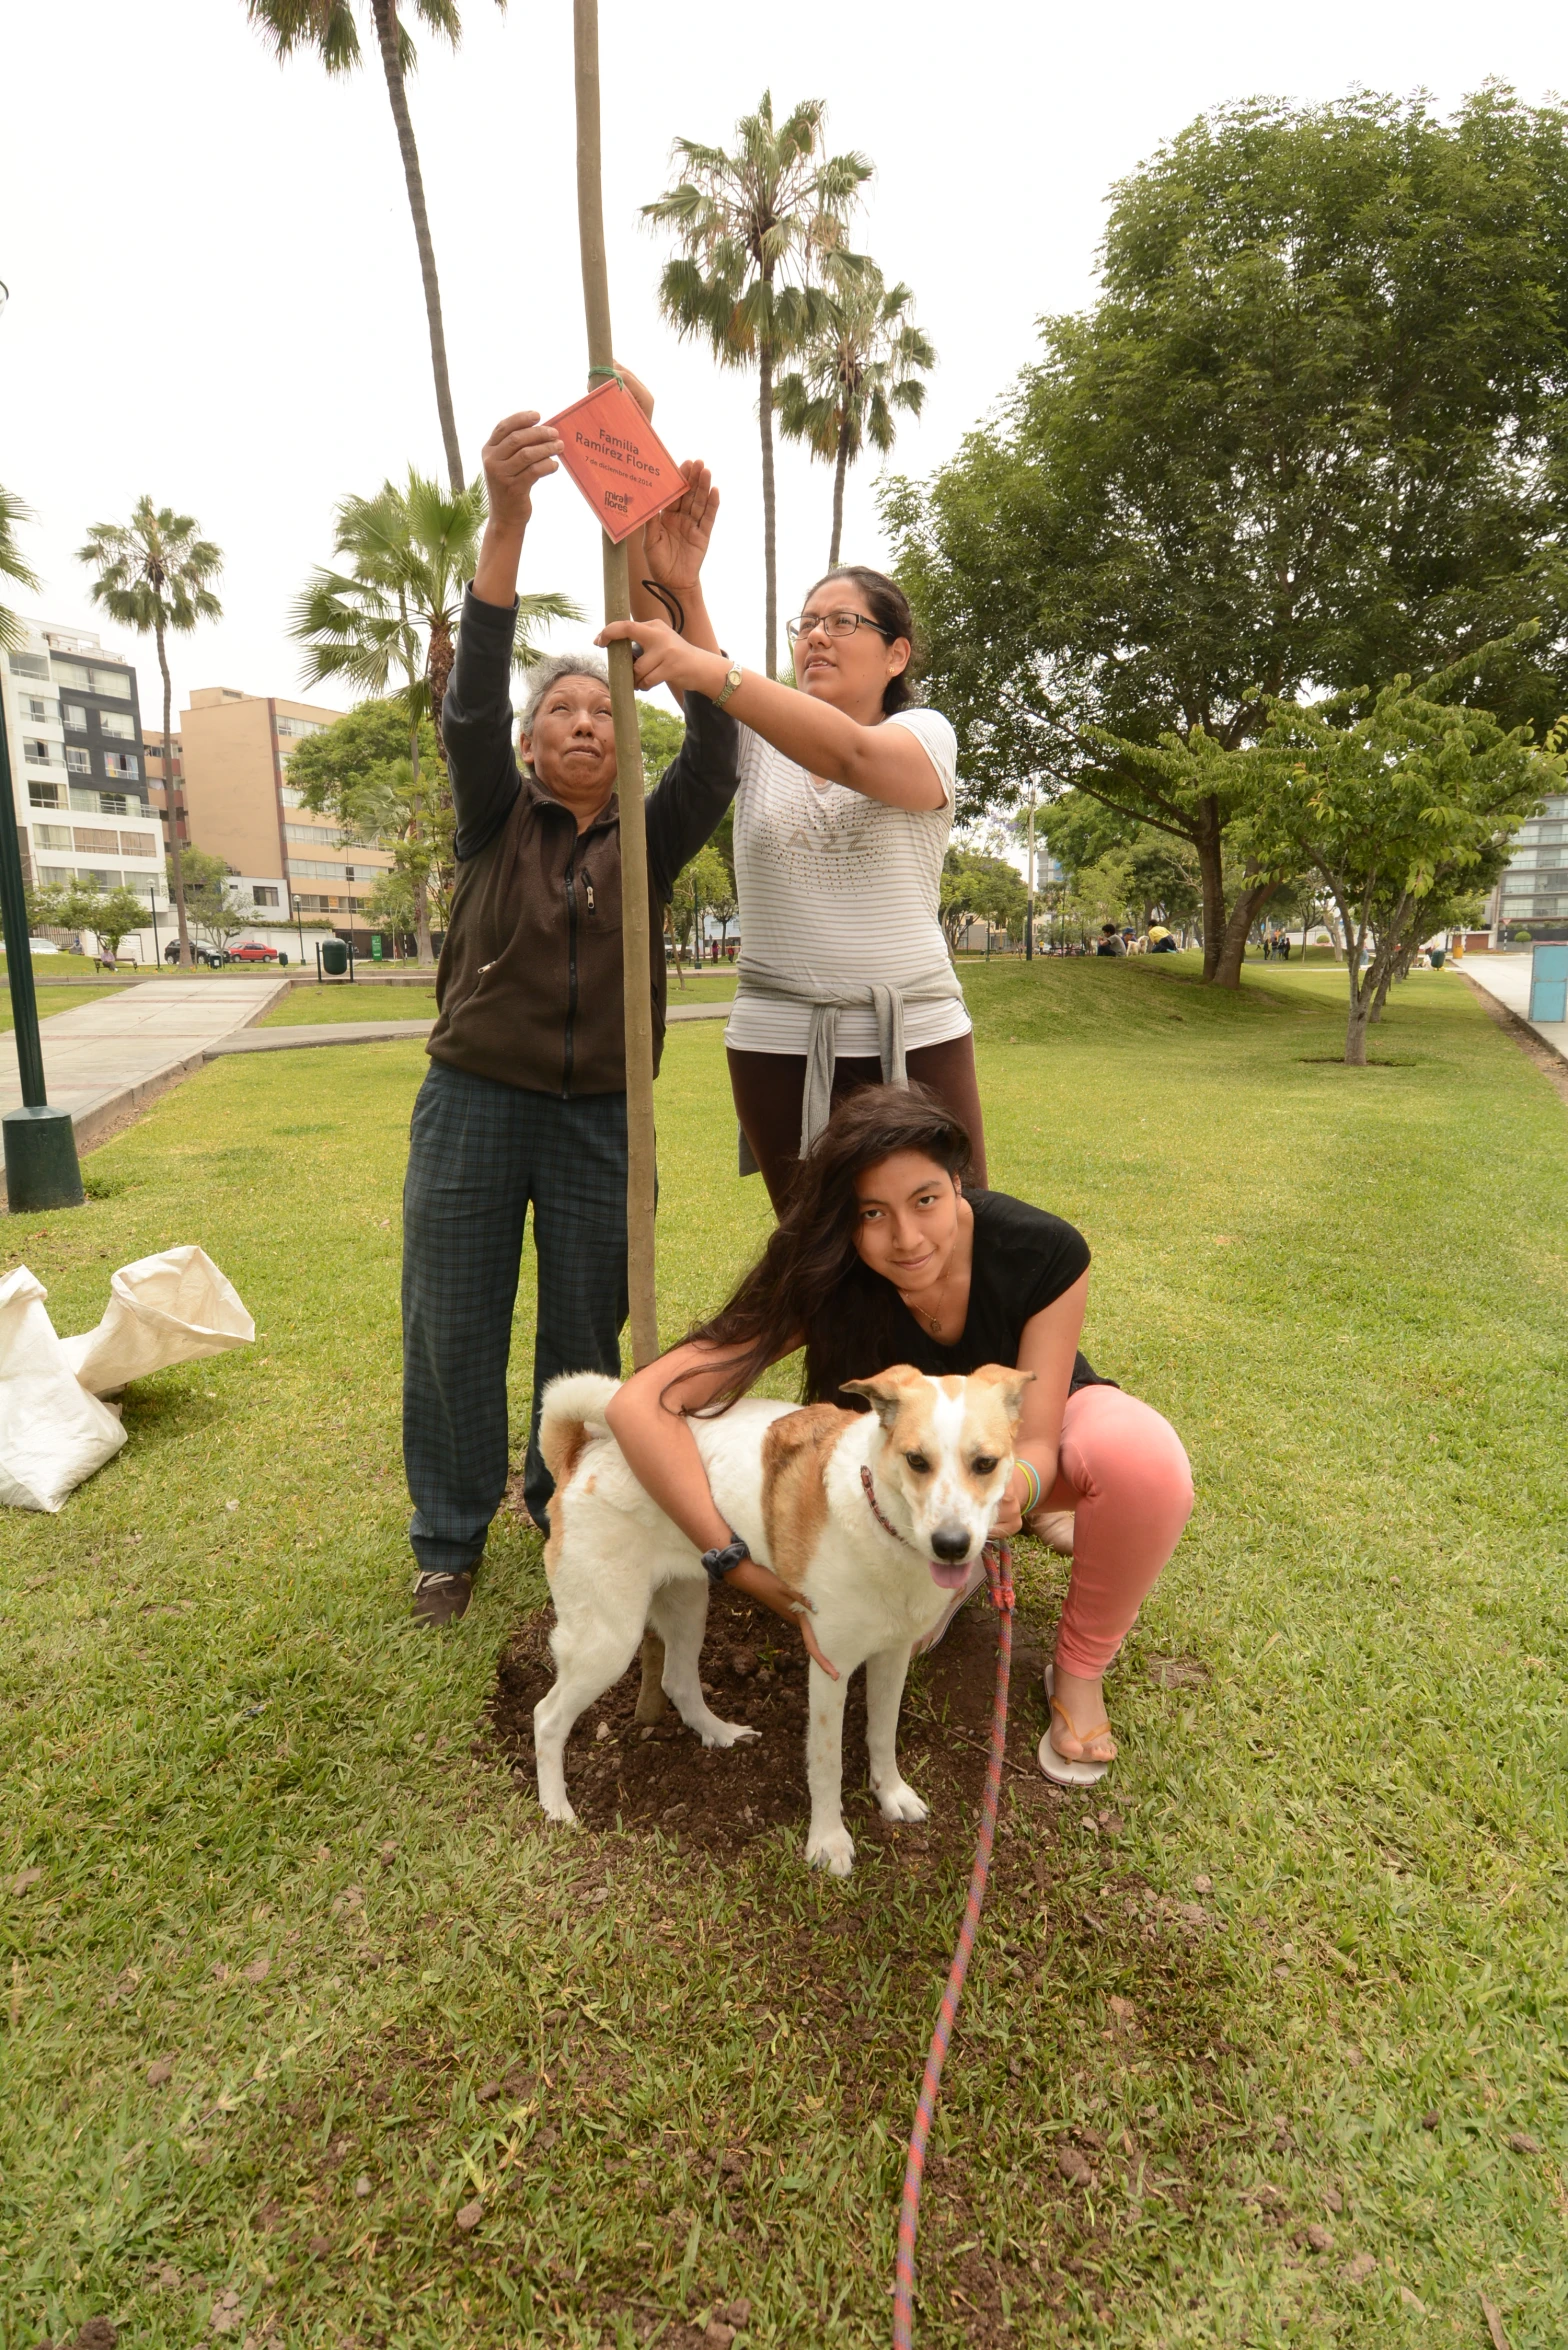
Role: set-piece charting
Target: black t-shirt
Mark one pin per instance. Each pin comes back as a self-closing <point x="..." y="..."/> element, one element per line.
<point x="1023" y="1261"/>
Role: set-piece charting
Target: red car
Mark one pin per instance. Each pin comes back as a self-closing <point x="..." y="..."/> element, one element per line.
<point x="254" y="952"/>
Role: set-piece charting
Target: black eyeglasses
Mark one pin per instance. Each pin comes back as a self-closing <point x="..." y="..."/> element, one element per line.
<point x="832" y="624"/>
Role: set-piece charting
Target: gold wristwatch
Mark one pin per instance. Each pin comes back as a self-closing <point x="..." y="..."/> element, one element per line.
<point x="730" y="683"/>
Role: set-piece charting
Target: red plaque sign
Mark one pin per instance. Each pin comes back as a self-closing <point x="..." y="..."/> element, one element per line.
<point x="617" y="459"/>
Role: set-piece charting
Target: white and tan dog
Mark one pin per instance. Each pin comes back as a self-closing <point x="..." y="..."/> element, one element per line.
<point x="876" y="1517"/>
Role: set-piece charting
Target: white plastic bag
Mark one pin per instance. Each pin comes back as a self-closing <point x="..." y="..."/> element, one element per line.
<point x="52" y="1432"/>
<point x="173" y="1308"/>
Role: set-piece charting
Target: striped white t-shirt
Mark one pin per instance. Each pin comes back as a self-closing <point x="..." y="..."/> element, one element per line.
<point x="836" y="887"/>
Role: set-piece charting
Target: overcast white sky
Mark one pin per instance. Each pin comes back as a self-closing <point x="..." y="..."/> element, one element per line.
<point x="215" y="295"/>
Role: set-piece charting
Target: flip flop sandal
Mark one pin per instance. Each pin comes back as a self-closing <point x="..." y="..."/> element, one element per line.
<point x="1057" y="1766"/>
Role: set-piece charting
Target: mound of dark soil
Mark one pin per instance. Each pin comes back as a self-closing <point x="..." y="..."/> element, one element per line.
<point x="720" y="1799"/>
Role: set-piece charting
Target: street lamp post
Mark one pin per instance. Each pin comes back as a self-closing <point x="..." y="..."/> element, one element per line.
<point x="1029" y="917"/>
<point x="41" y="1169"/>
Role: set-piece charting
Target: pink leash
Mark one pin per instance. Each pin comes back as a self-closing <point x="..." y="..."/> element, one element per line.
<point x="999" y="1574"/>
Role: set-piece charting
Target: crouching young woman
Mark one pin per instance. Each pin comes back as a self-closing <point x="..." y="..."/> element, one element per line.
<point x="881" y="1256"/>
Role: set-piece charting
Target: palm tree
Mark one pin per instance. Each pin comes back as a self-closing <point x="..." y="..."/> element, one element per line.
<point x="865" y="360"/>
<point x="756" y="228"/>
<point x="392" y="612"/>
<point x="154" y="574"/>
<point x="13" y="565"/>
<point x="329" y="27"/>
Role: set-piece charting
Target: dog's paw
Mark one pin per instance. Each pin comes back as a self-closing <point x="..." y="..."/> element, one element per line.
<point x="901" y="1803"/>
<point x="559" y="1809"/>
<point x="728" y="1733"/>
<point x="834" y="1851"/>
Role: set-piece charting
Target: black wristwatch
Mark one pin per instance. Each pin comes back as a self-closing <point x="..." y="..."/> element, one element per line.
<point x="717" y="1564"/>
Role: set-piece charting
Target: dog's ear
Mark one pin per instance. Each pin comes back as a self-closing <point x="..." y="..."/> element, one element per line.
<point x="887" y="1392"/>
<point x="1005" y="1383"/>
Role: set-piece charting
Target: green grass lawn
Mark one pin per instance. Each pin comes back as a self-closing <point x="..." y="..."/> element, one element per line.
<point x="305" y="1006"/>
<point x="51" y="1000"/>
<point x="256" y="1834"/>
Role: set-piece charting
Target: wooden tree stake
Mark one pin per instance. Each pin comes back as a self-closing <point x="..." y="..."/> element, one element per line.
<point x="635" y="945"/>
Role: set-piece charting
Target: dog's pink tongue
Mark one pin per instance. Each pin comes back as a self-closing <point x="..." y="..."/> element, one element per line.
<point x="950" y="1578"/>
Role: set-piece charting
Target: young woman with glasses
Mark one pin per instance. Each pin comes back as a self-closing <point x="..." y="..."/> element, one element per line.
<point x="842" y="820"/>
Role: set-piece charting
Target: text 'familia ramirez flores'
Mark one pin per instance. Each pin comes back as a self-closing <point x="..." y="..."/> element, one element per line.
<point x="606" y="444"/>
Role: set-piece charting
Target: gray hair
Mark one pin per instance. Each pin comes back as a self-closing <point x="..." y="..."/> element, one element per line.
<point x="544" y="674"/>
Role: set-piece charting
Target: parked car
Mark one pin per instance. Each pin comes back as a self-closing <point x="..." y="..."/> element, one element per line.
<point x="254" y="952"/>
<point x="213" y="957"/>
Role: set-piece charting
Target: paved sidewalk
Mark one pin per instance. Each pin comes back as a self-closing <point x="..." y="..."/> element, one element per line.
<point x="290" y="1040"/>
<point x="104" y="1058"/>
<point x="1507" y="979"/>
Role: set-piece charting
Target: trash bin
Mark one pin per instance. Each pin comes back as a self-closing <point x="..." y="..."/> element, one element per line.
<point x="1437" y="957"/>
<point x="334" y="957"/>
<point x="1549" y="984"/>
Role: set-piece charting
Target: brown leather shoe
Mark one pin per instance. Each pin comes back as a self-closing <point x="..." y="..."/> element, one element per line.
<point x="441" y="1599"/>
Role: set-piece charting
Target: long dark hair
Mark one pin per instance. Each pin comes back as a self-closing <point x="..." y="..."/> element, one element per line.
<point x="810" y="1280"/>
<point x="889" y="608"/>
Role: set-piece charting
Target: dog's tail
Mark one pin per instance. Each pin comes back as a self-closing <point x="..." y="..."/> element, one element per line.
<point x="572" y="1415"/>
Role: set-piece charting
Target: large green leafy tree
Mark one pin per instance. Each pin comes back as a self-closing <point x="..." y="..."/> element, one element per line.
<point x="976" y="885"/>
<point x="331" y="29"/>
<point x="155" y="574"/>
<point x="755" y="226"/>
<point x="13" y="566"/>
<point x="864" y="360"/>
<point x="1402" y="804"/>
<point x="389" y="615"/>
<point x="1310" y="435"/>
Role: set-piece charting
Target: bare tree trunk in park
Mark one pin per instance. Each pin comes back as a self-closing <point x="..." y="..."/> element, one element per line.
<point x="839" y="471"/>
<point x="171" y="803"/>
<point x="770" y="559"/>
<point x="635" y="926"/>
<point x="1249" y="904"/>
<point x="419" y="882"/>
<point x="388" y="35"/>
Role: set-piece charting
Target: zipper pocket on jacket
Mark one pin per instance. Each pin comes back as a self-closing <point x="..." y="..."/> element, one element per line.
<point x="588" y="894"/>
<point x="569" y="1045"/>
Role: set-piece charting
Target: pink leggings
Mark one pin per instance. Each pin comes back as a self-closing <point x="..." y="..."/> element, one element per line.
<point x="1123" y="1471"/>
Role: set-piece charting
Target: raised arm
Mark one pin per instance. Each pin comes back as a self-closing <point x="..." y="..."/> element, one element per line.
<point x="476" y="717"/>
<point x="886" y="763"/>
<point x="648" y="1421"/>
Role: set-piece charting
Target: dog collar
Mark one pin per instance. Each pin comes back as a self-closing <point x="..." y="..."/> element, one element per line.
<point x="886" y="1524"/>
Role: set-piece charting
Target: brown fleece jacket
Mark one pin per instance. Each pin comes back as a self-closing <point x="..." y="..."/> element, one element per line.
<point x="529" y="984"/>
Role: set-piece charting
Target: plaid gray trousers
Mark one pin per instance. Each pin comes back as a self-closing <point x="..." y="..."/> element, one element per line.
<point x="479" y="1155"/>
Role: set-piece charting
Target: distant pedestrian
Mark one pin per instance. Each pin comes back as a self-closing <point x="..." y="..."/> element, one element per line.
<point x="1111" y="940"/>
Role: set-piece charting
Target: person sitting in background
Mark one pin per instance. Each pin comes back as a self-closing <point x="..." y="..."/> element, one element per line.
<point x="1111" y="940"/>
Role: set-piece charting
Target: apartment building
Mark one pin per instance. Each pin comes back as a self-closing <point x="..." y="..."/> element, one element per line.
<point x="234" y="751"/>
<point x="159" y="760"/>
<point x="73" y="722"/>
<point x="1531" y="900"/>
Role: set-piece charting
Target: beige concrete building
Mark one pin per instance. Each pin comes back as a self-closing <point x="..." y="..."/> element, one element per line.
<point x="235" y="750"/>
